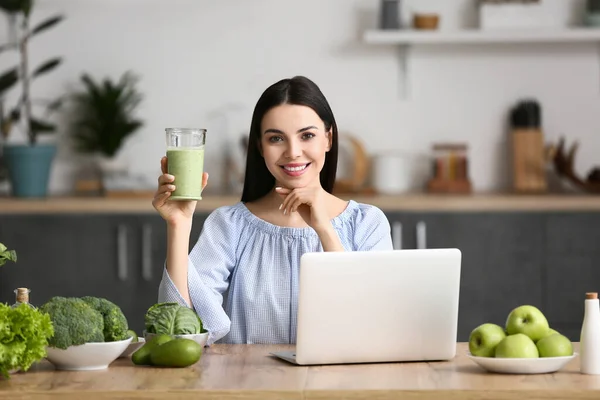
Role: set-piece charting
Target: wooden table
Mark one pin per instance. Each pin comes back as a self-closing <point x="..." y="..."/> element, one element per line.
<point x="248" y="372"/>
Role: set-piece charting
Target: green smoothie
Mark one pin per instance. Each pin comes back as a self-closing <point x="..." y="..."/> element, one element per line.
<point x="187" y="166"/>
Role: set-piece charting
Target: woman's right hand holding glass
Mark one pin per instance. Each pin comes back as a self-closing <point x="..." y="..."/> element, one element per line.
<point x="174" y="212"/>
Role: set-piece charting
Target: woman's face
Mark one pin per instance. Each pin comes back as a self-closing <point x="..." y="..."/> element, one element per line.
<point x="294" y="143"/>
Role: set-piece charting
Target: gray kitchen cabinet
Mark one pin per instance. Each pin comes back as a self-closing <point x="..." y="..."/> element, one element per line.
<point x="66" y="255"/>
<point x="152" y="253"/>
<point x="508" y="259"/>
<point x="46" y="256"/>
<point x="502" y="259"/>
<point x="403" y="227"/>
<point x="116" y="256"/>
<point x="571" y="258"/>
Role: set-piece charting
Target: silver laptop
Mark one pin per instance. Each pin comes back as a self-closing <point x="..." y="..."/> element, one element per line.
<point x="377" y="306"/>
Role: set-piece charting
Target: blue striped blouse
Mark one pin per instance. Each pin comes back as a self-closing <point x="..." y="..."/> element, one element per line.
<point x="243" y="271"/>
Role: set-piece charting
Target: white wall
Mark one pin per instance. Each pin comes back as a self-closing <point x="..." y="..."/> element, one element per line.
<point x="198" y="57"/>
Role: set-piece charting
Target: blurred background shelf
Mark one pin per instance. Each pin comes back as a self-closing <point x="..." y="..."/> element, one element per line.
<point x="388" y="203"/>
<point x="405" y="39"/>
<point x="476" y="36"/>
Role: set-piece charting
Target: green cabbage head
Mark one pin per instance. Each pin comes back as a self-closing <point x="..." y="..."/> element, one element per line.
<point x="172" y="319"/>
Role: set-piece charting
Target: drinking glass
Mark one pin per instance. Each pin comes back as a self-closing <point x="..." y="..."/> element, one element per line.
<point x="185" y="161"/>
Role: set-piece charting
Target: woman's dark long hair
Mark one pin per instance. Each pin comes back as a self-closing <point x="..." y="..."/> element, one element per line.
<point x="298" y="90"/>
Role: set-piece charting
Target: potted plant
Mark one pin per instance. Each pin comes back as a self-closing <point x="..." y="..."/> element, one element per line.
<point x="28" y="164"/>
<point x="104" y="119"/>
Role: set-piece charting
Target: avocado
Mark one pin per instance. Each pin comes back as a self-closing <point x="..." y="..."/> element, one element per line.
<point x="178" y="353"/>
<point x="134" y="335"/>
<point x="142" y="355"/>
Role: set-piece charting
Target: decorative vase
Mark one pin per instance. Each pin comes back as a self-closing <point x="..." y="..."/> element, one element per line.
<point x="113" y="172"/>
<point x="29" y="168"/>
<point x="110" y="166"/>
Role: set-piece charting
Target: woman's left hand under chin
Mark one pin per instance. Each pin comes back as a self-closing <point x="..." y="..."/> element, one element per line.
<point x="309" y="202"/>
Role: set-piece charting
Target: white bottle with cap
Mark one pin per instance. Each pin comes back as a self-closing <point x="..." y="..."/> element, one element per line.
<point x="589" y="342"/>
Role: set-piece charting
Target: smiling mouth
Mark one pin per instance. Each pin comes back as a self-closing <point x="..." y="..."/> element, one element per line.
<point x="295" y="168"/>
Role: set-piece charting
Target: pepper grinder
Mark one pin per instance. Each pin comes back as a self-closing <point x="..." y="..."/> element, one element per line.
<point x="589" y="342"/>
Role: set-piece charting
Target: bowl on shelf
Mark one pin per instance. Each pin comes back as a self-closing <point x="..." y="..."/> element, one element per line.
<point x="428" y="22"/>
<point x="88" y="356"/>
<point x="200" y="338"/>
<point x="540" y="365"/>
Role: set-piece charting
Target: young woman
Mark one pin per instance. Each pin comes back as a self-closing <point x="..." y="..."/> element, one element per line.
<point x="241" y="277"/>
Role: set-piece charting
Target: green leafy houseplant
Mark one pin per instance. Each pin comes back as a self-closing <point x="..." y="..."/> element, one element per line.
<point x="22" y="112"/>
<point x="7" y="255"/>
<point x="104" y="114"/>
<point x="29" y="164"/>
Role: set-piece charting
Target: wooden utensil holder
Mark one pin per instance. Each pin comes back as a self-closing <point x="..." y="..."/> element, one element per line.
<point x="528" y="161"/>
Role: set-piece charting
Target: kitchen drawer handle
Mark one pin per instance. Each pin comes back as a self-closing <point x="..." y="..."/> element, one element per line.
<point x="421" y="235"/>
<point x="397" y="235"/>
<point x="122" y="252"/>
<point x="147" y="252"/>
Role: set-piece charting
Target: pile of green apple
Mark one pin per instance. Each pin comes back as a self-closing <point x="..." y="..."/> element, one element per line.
<point x="526" y="334"/>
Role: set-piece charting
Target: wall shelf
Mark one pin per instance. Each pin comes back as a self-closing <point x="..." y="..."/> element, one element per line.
<point x="407" y="38"/>
<point x="475" y="36"/>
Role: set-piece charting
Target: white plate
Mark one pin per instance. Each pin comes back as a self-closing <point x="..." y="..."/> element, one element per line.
<point x="541" y="365"/>
<point x="133" y="347"/>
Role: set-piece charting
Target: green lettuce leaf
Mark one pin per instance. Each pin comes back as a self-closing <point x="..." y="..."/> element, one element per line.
<point x="24" y="334"/>
<point x="172" y="319"/>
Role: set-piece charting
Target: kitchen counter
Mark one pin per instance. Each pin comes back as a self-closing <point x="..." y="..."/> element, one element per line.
<point x="414" y="202"/>
<point x="248" y="372"/>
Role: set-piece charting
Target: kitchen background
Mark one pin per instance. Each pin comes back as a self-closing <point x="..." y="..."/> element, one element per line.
<point x="205" y="63"/>
<point x="488" y="105"/>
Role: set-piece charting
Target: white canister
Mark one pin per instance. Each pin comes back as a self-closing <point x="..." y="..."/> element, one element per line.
<point x="523" y="15"/>
<point x="394" y="172"/>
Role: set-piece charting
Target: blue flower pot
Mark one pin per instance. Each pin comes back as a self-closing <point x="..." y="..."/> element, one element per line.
<point x="29" y="168"/>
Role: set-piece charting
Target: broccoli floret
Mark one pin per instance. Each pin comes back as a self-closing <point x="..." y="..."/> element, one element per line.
<point x="74" y="322"/>
<point x="115" y="323"/>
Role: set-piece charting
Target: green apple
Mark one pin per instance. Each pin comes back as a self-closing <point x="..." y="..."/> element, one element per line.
<point x="484" y="338"/>
<point x="548" y="333"/>
<point x="528" y="320"/>
<point x="555" y="345"/>
<point x="518" y="345"/>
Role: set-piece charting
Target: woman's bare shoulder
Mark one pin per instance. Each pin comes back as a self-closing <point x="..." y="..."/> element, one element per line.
<point x="336" y="205"/>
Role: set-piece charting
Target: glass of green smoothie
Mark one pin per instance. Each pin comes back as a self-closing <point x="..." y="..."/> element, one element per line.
<point x="185" y="161"/>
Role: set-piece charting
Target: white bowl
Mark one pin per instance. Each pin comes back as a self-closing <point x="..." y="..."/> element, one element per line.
<point x="200" y="338"/>
<point x="541" y="365"/>
<point x="133" y="347"/>
<point x="88" y="356"/>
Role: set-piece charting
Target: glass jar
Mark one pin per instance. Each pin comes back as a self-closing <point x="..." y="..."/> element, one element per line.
<point x="22" y="297"/>
<point x="450" y="161"/>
